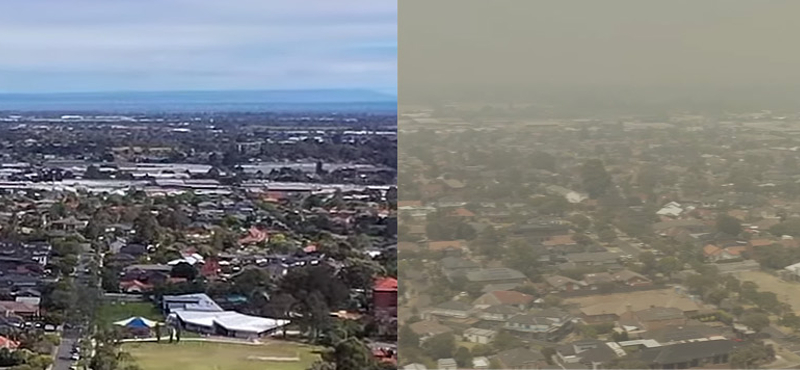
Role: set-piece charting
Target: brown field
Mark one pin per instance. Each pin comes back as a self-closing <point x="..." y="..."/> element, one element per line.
<point x="618" y="303"/>
<point x="787" y="291"/>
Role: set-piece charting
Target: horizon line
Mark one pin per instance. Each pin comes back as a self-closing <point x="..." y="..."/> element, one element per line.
<point x="382" y="91"/>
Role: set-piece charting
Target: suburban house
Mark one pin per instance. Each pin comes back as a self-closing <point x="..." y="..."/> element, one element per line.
<point x="478" y="335"/>
<point x="538" y="231"/>
<point x="426" y="329"/>
<point x="559" y="241"/>
<point x="447" y="246"/>
<point x="457" y="266"/>
<point x="384" y="296"/>
<point x="688" y="355"/>
<point x="480" y="363"/>
<point x="564" y="284"/>
<point x="446" y="364"/>
<point x="591" y="353"/>
<point x="498" y="313"/>
<point x="504" y="297"/>
<point x="22" y="309"/>
<point x="689" y="332"/>
<point x="594" y="258"/>
<point x="547" y="325"/>
<point x="791" y="272"/>
<point x="499" y="275"/>
<point x="630" y="278"/>
<point x="713" y="253"/>
<point x="452" y="309"/>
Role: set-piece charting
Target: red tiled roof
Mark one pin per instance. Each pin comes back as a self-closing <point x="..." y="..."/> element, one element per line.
<point x="386" y="285"/>
<point x="409" y="203"/>
<point x="761" y="242"/>
<point x="710" y="250"/>
<point x="8" y="343"/>
<point x="463" y="212"/>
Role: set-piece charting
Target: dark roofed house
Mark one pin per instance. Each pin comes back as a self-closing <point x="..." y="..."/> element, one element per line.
<point x="590" y="353"/>
<point x="135" y="250"/>
<point x="68" y="224"/>
<point x="22" y="309"/>
<point x="500" y="275"/>
<point x="426" y="329"/>
<point x="594" y="258"/>
<point x="688" y="355"/>
<point x="595" y="280"/>
<point x="498" y="313"/>
<point x="679" y="333"/>
<point x="457" y="266"/>
<point x="547" y="325"/>
<point x="453" y="309"/>
<point x="520" y="358"/>
<point x="630" y="278"/>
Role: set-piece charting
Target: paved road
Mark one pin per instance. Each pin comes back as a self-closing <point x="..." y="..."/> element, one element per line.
<point x="62" y="360"/>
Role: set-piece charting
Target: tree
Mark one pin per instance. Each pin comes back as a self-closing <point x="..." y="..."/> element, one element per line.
<point x="607" y="235"/>
<point x="791" y="320"/>
<point x="504" y="341"/>
<point x="352" y="354"/>
<point x="360" y="274"/>
<point x="747" y="357"/>
<point x="407" y="338"/>
<point x="315" y="314"/>
<point x="596" y="181"/>
<point x="146" y="227"/>
<point x="755" y="321"/>
<point x="551" y="300"/>
<point x="303" y="281"/>
<point x="580" y="221"/>
<point x="768" y="301"/>
<point x="728" y="225"/>
<point x="463" y="357"/>
<point x="440" y="346"/>
<point x="582" y="239"/>
<point x="250" y="281"/>
<point x="669" y="266"/>
<point x="280" y="306"/>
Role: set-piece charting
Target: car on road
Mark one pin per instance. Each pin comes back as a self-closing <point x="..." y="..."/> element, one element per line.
<point x="75" y="357"/>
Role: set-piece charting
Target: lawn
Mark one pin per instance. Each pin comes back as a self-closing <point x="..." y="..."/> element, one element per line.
<point x="221" y="356"/>
<point x="110" y="312"/>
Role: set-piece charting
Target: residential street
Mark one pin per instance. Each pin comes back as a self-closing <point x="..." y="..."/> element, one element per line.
<point x="62" y="360"/>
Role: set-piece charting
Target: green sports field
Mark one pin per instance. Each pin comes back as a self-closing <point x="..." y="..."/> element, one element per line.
<point x="273" y="355"/>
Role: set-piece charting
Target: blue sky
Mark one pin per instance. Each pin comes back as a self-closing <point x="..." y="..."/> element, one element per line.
<point x="146" y="45"/>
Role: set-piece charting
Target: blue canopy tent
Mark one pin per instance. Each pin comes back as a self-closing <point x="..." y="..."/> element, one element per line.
<point x="137" y="322"/>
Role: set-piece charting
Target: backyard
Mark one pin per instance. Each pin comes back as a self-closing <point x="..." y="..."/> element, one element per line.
<point x="195" y="355"/>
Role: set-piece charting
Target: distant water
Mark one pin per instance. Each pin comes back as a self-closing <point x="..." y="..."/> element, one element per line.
<point x="204" y="101"/>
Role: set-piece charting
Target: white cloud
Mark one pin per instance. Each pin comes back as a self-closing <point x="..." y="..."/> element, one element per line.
<point x="119" y="44"/>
